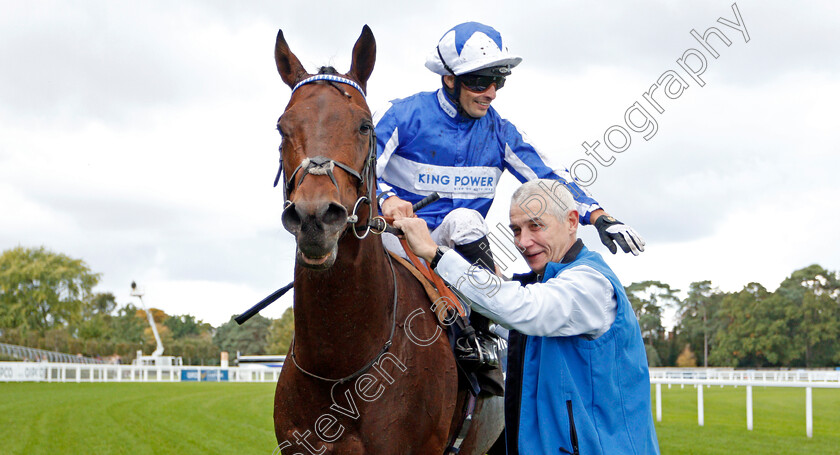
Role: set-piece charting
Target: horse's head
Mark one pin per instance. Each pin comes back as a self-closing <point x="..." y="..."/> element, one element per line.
<point x="328" y="151"/>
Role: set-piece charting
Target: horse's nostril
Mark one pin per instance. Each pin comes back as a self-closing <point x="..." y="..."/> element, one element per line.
<point x="291" y="218"/>
<point x="335" y="214"/>
<point x="309" y="216"/>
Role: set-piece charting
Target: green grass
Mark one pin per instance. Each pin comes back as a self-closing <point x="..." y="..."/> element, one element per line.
<point x="778" y="422"/>
<point x="114" y="418"/>
<point x="208" y="418"/>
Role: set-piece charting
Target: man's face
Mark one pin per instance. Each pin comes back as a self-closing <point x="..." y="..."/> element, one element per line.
<point x="543" y="239"/>
<point x="474" y="103"/>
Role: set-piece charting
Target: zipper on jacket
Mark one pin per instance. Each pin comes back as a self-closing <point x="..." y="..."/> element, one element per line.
<point x="515" y="440"/>
<point x="572" y="431"/>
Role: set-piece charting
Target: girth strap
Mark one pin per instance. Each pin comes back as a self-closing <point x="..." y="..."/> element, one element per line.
<point x="464" y="424"/>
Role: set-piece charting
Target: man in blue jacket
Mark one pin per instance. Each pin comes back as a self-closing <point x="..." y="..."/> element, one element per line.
<point x="453" y="142"/>
<point x="578" y="379"/>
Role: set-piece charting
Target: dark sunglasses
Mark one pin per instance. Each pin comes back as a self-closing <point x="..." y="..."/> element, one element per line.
<point x="476" y="83"/>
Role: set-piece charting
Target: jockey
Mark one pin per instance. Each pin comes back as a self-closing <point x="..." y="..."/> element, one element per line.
<point x="453" y="142"/>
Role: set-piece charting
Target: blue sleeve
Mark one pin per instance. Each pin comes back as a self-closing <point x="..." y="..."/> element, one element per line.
<point x="385" y="124"/>
<point x="526" y="163"/>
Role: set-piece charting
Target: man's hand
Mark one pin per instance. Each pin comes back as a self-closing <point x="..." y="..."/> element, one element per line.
<point x="611" y="230"/>
<point x="397" y="208"/>
<point x="419" y="239"/>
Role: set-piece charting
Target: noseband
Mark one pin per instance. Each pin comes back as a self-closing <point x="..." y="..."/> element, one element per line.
<point x="321" y="165"/>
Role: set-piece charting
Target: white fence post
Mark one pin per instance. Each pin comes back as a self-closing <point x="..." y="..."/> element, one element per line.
<point x="749" y="408"/>
<point x="658" y="402"/>
<point x="809" y="412"/>
<point x="700" y="416"/>
<point x="802" y="379"/>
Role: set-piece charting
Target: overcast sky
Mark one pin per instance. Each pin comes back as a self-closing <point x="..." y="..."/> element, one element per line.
<point x="140" y="136"/>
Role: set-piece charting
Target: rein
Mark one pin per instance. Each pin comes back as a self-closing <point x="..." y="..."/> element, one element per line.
<point x="377" y="226"/>
<point x="375" y="358"/>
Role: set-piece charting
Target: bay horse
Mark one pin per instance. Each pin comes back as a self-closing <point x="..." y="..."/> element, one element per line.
<point x="366" y="373"/>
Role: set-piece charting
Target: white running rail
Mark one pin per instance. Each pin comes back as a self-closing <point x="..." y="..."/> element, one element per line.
<point x="63" y="372"/>
<point x="807" y="379"/>
<point x="698" y="378"/>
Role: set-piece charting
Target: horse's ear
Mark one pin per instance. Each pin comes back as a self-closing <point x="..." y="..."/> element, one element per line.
<point x="364" y="56"/>
<point x="288" y="65"/>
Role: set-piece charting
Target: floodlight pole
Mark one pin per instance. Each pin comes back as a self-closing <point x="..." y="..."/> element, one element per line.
<point x="139" y="294"/>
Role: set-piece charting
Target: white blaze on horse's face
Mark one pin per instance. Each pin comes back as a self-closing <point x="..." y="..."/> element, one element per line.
<point x="327" y="137"/>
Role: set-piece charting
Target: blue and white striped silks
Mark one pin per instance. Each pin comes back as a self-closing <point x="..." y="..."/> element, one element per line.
<point x="425" y="145"/>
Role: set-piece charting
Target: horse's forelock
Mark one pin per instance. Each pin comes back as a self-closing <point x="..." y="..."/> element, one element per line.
<point x="327" y="70"/>
<point x="321" y="70"/>
<point x="333" y="71"/>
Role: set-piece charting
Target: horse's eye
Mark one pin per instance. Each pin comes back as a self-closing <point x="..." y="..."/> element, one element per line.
<point x="365" y="128"/>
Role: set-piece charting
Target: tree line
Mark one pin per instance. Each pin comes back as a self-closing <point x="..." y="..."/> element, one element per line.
<point x="47" y="301"/>
<point x="797" y="325"/>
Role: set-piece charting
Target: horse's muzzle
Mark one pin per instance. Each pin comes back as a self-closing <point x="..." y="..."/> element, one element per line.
<point x="317" y="228"/>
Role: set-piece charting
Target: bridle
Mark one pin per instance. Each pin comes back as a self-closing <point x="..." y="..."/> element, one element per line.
<point x="321" y="165"/>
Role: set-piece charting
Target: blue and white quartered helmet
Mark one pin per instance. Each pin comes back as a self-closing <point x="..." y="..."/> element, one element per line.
<point x="469" y="47"/>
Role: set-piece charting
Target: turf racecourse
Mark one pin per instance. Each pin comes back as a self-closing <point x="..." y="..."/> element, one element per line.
<point x="136" y="418"/>
<point x="207" y="418"/>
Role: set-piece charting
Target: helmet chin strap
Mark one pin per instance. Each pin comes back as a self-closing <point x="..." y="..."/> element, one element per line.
<point x="455" y="96"/>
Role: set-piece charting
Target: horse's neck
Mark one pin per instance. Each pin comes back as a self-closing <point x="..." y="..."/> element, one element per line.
<point x="343" y="315"/>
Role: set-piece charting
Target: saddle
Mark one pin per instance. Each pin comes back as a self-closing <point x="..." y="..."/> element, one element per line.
<point x="487" y="380"/>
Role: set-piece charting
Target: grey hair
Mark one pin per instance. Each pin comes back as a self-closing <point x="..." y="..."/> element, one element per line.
<point x="540" y="196"/>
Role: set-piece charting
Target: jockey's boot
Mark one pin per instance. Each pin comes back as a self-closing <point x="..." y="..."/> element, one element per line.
<point x="478" y="349"/>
